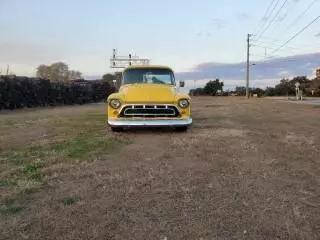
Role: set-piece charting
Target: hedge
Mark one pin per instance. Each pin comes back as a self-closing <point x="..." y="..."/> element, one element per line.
<point x="21" y="92"/>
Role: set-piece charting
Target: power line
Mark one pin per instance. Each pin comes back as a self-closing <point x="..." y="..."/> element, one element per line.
<point x="262" y="57"/>
<point x="302" y="14"/>
<point x="273" y="19"/>
<point x="287" y="48"/>
<point x="282" y="17"/>
<point x="265" y="16"/>
<point x="297" y="34"/>
<point x="273" y="45"/>
<point x="277" y="43"/>
<point x="272" y="48"/>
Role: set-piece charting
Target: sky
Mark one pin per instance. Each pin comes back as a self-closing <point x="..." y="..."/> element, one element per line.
<point x="183" y="34"/>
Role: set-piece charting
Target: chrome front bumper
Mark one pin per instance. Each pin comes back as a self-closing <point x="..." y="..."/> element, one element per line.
<point x="150" y="122"/>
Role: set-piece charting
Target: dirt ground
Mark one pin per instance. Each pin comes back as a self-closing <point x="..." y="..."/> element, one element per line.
<point x="246" y="169"/>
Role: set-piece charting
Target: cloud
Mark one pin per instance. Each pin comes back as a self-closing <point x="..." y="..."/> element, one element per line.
<point x="272" y="69"/>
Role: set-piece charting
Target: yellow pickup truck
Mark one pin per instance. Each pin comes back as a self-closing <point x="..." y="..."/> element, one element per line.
<point x="148" y="97"/>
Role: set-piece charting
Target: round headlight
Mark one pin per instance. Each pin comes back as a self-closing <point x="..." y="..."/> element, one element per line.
<point x="115" y="103"/>
<point x="183" y="103"/>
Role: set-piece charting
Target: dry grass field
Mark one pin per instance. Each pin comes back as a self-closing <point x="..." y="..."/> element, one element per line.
<point x="246" y="169"/>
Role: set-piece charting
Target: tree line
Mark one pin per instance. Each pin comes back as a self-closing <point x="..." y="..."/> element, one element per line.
<point x="20" y="92"/>
<point x="54" y="85"/>
<point x="286" y="87"/>
<point x="57" y="72"/>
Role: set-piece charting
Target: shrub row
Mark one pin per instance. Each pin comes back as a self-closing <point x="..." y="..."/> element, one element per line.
<point x="20" y="92"/>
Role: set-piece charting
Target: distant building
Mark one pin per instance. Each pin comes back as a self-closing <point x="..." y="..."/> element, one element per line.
<point x="318" y="73"/>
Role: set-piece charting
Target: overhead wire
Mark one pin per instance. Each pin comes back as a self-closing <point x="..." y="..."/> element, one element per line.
<point x="273" y="19"/>
<point x="297" y="34"/>
<point x="276" y="46"/>
<point x="296" y="20"/>
<point x="265" y="16"/>
<point x="268" y="17"/>
<point x="277" y="42"/>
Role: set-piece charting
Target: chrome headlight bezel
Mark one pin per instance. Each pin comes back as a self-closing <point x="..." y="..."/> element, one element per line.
<point x="115" y="103"/>
<point x="184" y="103"/>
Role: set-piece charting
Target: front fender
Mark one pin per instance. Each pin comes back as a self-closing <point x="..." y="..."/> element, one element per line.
<point x="186" y="112"/>
<point x="179" y="96"/>
<point x="117" y="95"/>
<point x="113" y="113"/>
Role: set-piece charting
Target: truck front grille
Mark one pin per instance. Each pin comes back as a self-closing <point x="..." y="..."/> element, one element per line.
<point x="149" y="111"/>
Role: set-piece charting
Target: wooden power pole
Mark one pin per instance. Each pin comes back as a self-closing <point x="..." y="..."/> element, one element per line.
<point x="248" y="65"/>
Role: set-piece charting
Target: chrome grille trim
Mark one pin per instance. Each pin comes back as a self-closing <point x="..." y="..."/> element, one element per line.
<point x="149" y="111"/>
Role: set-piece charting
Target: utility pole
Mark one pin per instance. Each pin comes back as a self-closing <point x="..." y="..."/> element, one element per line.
<point x="248" y="65"/>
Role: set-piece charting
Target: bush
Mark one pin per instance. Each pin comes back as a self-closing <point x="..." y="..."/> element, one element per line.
<point x="20" y="92"/>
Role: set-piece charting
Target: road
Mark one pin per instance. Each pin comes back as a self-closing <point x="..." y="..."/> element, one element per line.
<point x="306" y="100"/>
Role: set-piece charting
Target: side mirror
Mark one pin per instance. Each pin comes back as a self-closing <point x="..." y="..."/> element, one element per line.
<point x="181" y="83"/>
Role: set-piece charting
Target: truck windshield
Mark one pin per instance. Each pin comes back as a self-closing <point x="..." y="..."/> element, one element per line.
<point x="155" y="76"/>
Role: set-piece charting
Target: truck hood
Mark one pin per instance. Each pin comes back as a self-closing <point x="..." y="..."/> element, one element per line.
<point x="148" y="93"/>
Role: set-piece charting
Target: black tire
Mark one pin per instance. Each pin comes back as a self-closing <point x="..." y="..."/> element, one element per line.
<point x="116" y="129"/>
<point x="181" y="129"/>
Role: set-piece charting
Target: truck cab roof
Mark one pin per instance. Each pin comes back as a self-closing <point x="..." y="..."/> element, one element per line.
<point x="148" y="67"/>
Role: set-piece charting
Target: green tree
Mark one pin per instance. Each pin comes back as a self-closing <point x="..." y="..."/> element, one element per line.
<point x="260" y="92"/>
<point x="284" y="88"/>
<point x="57" y="72"/>
<point x="108" y="77"/>
<point x="240" y="91"/>
<point x="212" y="87"/>
<point x="270" y="91"/>
<point x="43" y="71"/>
<point x="74" y="75"/>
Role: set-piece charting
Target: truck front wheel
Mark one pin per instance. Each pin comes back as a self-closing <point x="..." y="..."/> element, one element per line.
<point x="116" y="129"/>
<point x="181" y="129"/>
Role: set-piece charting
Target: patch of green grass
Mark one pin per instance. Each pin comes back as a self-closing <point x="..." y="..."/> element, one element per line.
<point x="9" y="210"/>
<point x="73" y="138"/>
<point x="81" y="147"/>
<point x="25" y="154"/>
<point x="27" y="163"/>
<point x="84" y="146"/>
<point x="32" y="171"/>
<point x="7" y="183"/>
<point x="9" y="207"/>
<point x="70" y="200"/>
